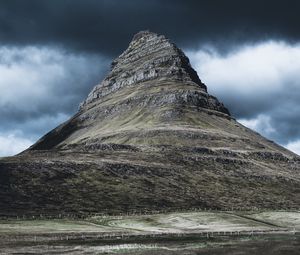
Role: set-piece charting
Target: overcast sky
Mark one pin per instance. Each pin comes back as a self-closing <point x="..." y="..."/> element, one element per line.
<point x="52" y="52"/>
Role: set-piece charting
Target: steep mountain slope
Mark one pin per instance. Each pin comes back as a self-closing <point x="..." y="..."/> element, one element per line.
<point x="149" y="137"/>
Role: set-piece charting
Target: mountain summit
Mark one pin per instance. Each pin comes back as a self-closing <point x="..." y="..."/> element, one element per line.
<point x="149" y="136"/>
<point x="149" y="57"/>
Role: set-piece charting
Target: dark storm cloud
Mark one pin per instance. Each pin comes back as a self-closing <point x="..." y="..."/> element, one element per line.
<point x="106" y="26"/>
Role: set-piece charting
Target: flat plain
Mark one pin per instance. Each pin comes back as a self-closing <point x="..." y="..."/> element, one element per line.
<point x="199" y="232"/>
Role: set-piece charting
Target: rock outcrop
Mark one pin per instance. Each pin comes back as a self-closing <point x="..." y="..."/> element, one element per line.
<point x="149" y="136"/>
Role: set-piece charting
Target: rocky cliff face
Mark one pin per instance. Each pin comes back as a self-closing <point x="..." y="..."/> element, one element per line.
<point x="149" y="57"/>
<point x="149" y="136"/>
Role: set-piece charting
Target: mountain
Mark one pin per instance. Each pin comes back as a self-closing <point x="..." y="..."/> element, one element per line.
<point x="149" y="136"/>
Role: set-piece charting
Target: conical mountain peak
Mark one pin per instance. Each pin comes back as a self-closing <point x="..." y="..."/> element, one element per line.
<point x="149" y="57"/>
<point x="151" y="86"/>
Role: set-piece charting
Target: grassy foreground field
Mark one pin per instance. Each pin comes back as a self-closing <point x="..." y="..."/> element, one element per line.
<point x="169" y="233"/>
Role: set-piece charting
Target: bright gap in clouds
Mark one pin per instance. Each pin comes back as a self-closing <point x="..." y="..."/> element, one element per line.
<point x="294" y="146"/>
<point x="260" y="84"/>
<point x="11" y="144"/>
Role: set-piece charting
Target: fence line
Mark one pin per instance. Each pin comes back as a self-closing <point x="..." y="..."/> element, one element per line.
<point x="137" y="213"/>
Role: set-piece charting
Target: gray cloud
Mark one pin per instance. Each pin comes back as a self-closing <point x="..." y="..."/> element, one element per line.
<point x="41" y="87"/>
<point x="260" y="84"/>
